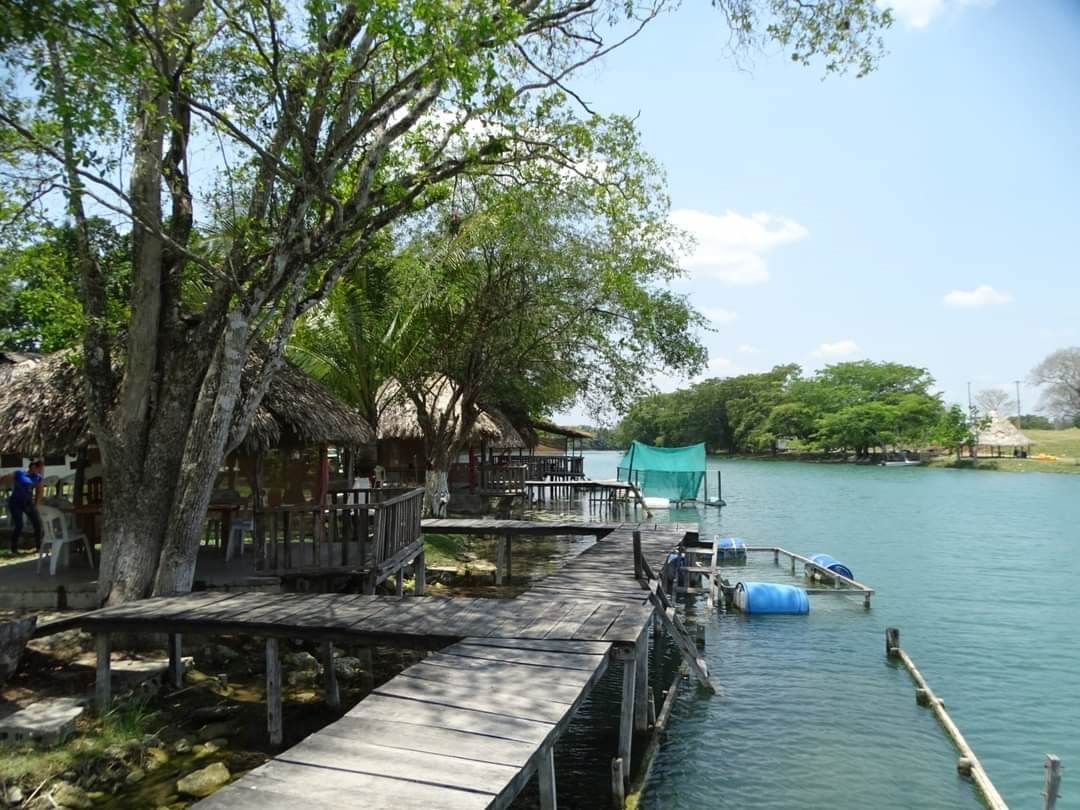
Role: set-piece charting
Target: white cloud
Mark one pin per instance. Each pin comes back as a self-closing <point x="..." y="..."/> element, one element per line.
<point x="746" y="348"/>
<point x="720" y="315"/>
<point x="841" y="348"/>
<point x="733" y="247"/>
<point x="920" y="13"/>
<point x="982" y="296"/>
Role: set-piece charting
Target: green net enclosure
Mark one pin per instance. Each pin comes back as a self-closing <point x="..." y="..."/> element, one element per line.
<point x="675" y="473"/>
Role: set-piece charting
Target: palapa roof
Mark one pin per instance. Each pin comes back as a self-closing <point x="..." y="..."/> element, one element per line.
<point x="43" y="410"/>
<point x="397" y="412"/>
<point x="1002" y="433"/>
<point x="559" y="430"/>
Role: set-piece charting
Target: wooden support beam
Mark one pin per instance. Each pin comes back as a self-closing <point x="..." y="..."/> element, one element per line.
<point x="176" y="662"/>
<point x="103" y="679"/>
<point x="626" y="716"/>
<point x="330" y="684"/>
<point x="399" y="582"/>
<point x="503" y="560"/>
<point x="420" y="574"/>
<point x="545" y="769"/>
<point x="618" y="784"/>
<point x="273" y="691"/>
<point x="641" y="684"/>
<point x="638" y="574"/>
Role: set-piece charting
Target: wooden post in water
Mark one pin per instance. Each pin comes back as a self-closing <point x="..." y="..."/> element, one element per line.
<point x="618" y="784"/>
<point x="545" y="771"/>
<point x="637" y="554"/>
<point x="330" y="684"/>
<point x="273" y="691"/>
<point x="176" y="663"/>
<point x="641" y="683"/>
<point x="626" y="717"/>
<point x="103" y="679"/>
<point x="1053" y="782"/>
<point x="892" y="642"/>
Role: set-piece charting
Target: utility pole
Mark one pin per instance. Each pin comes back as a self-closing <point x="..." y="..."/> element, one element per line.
<point x="1019" y="417"/>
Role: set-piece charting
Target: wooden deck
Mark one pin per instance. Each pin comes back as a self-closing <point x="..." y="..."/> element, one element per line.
<point x="431" y="621"/>
<point x="516" y="527"/>
<point x="472" y="723"/>
<point x="456" y="731"/>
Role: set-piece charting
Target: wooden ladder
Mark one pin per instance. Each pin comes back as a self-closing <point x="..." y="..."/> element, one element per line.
<point x="677" y="630"/>
<point x="709" y="573"/>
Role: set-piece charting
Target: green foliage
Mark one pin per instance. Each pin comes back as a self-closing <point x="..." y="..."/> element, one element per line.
<point x="848" y="406"/>
<point x="40" y="307"/>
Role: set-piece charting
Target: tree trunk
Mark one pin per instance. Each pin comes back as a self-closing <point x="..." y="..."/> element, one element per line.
<point x="157" y="492"/>
<point x="437" y="497"/>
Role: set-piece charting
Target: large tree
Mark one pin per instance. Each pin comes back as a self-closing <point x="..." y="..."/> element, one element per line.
<point x="291" y="134"/>
<point x="1059" y="374"/>
<point x="534" y="292"/>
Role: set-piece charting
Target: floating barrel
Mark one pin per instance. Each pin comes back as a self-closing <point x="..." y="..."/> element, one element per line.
<point x="729" y="548"/>
<point x="829" y="564"/>
<point x="766" y="598"/>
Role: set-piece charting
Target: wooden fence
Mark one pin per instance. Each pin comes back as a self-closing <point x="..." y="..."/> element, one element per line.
<point x="556" y="467"/>
<point x="357" y="531"/>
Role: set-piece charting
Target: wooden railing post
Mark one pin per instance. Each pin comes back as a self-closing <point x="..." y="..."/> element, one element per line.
<point x="637" y="554"/>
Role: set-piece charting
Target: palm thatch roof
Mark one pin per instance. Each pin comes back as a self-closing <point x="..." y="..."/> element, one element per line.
<point x="43" y="410"/>
<point x="398" y="418"/>
<point x="510" y="437"/>
<point x="1002" y="433"/>
<point x="559" y="430"/>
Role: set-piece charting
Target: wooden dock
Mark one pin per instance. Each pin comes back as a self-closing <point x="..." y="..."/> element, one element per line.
<point x="472" y="723"/>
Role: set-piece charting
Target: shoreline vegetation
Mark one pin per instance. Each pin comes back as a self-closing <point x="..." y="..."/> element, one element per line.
<point x="1054" y="451"/>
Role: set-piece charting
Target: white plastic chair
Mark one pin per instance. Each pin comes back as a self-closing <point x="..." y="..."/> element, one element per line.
<point x="58" y="530"/>
<point x="236" y="536"/>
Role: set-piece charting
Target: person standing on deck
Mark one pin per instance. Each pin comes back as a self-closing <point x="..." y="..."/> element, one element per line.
<point x="23" y="501"/>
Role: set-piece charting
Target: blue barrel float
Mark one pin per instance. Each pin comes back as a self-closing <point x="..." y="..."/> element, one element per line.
<point x="769" y="599"/>
<point x="829" y="564"/>
<point x="730" y="548"/>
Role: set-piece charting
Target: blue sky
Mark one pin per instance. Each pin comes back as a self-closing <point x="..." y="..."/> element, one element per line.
<point x="927" y="214"/>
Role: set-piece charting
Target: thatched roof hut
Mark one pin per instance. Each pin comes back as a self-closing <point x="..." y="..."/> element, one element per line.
<point x="43" y="410"/>
<point x="398" y="417"/>
<point x="1002" y="433"/>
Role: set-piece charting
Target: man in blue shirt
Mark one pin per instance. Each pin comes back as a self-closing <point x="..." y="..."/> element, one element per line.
<point x="24" y="486"/>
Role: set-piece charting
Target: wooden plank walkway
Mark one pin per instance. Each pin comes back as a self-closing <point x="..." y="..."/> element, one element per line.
<point x="458" y="731"/>
<point x="516" y="527"/>
<point x="468" y="726"/>
<point x="432" y="621"/>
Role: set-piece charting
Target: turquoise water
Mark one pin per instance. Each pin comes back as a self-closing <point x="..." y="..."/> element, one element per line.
<point x="979" y="572"/>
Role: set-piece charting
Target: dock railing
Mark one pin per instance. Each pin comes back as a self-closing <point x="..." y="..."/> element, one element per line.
<point x="357" y="530"/>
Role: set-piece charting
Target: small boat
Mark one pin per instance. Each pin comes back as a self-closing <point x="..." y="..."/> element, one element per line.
<point x="907" y="462"/>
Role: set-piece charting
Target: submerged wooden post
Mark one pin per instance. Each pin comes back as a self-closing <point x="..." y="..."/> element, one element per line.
<point x="330" y="684"/>
<point x="420" y="574"/>
<point x="273" y="691"/>
<point x="776" y="556"/>
<point x="637" y="554"/>
<point x="1053" y="782"/>
<point x="103" y="679"/>
<point x="545" y="771"/>
<point x="176" y="663"/>
<point x="641" y="684"/>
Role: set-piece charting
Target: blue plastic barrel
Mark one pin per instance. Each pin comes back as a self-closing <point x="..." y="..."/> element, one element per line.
<point x="767" y="598"/>
<point x="829" y="564"/>
<point x="730" y="547"/>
